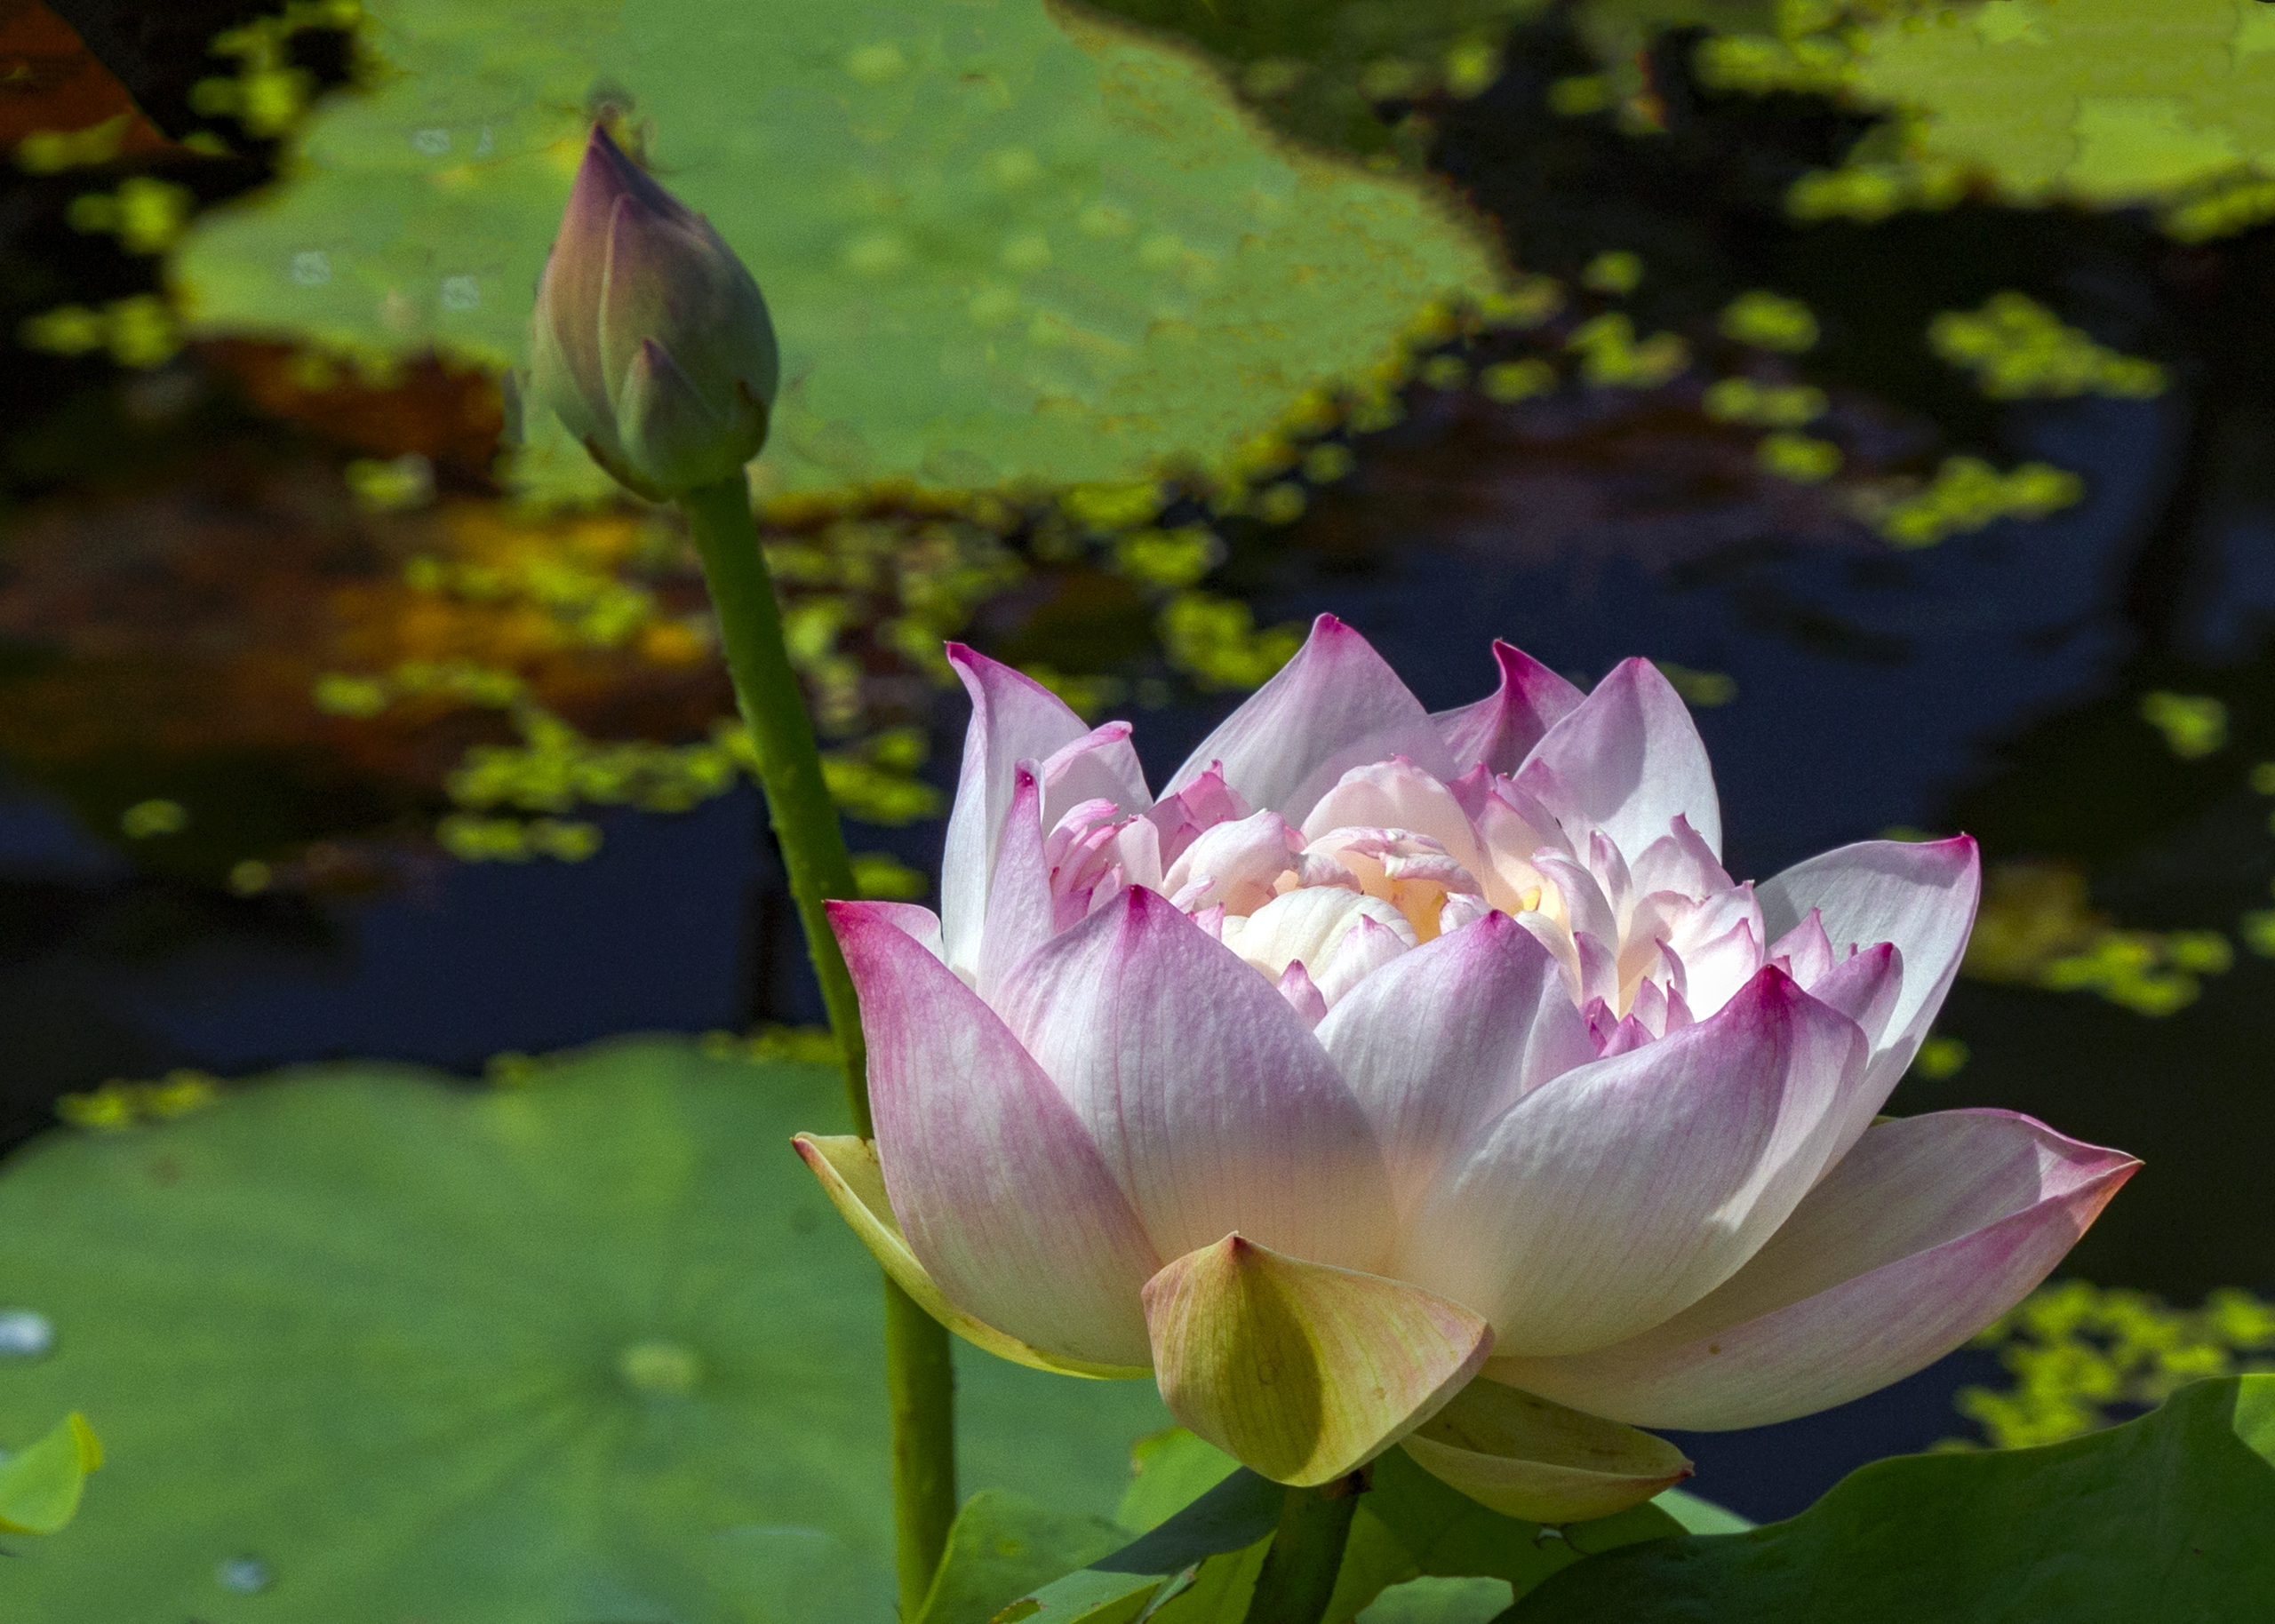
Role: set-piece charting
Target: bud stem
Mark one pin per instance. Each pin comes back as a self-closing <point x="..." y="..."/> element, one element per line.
<point x="919" y="1382"/>
<point x="1297" y="1580"/>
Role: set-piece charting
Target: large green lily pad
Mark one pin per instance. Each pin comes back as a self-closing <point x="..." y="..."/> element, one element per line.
<point x="2103" y="101"/>
<point x="2167" y="1517"/>
<point x="368" y="1349"/>
<point x="1000" y="241"/>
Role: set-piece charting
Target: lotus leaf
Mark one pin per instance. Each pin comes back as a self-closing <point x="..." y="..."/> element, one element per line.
<point x="366" y="1347"/>
<point x="1001" y="241"/>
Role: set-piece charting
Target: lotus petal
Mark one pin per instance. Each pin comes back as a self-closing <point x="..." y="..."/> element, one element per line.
<point x="1919" y="894"/>
<point x="1496" y="732"/>
<point x="846" y="1166"/>
<point x="1020" y="913"/>
<point x="1014" y="718"/>
<point x="1926" y="1232"/>
<point x="1213" y="1105"/>
<point x="1439" y="1043"/>
<point x="1300" y="1371"/>
<point x="1333" y="707"/>
<point x="1627" y="760"/>
<point x="1397" y="794"/>
<point x="1624" y="1190"/>
<point x="1002" y="1195"/>
<point x="1526" y="1457"/>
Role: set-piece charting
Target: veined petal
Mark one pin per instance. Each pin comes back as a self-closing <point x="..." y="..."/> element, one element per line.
<point x="1014" y="718"/>
<point x="850" y="1176"/>
<point x="1627" y="760"/>
<point x="1439" y="1043"/>
<point x="1214" y="1108"/>
<point x="919" y="924"/>
<point x="1002" y="1195"/>
<point x="1919" y="895"/>
<point x="1926" y="1232"/>
<point x="1332" y="707"/>
<point x="1624" y="1190"/>
<point x="1020" y="915"/>
<point x="1526" y="1457"/>
<point x="1496" y="732"/>
<point x="1300" y="1371"/>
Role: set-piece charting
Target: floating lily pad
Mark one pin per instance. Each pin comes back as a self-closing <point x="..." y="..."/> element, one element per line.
<point x="2108" y="102"/>
<point x="366" y="1346"/>
<point x="2164" y="1517"/>
<point x="1000" y="241"/>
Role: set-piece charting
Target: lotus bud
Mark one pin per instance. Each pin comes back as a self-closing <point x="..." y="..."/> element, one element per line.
<point x="651" y="341"/>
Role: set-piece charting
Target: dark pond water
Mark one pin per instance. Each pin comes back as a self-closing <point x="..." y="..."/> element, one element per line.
<point x="1991" y="683"/>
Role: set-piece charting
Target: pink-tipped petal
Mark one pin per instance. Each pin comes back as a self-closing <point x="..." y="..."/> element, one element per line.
<point x="1020" y="917"/>
<point x="1628" y="760"/>
<point x="1102" y="765"/>
<point x="1624" y="1190"/>
<point x="1929" y="1230"/>
<point x="1805" y="949"/>
<point x="1002" y="1197"/>
<point x="1014" y="718"/>
<point x="1365" y="948"/>
<point x="1679" y="862"/>
<point x="1919" y="895"/>
<point x="1442" y="1040"/>
<point x="1333" y="707"/>
<point x="1304" y="998"/>
<point x="1214" y="1108"/>
<point x="1499" y="731"/>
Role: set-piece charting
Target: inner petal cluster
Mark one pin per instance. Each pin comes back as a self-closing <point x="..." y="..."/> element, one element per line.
<point x="1393" y="856"/>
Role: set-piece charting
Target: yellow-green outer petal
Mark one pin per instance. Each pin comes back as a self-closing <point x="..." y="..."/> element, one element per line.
<point x="40" y="1485"/>
<point x="1524" y="1457"/>
<point x="1302" y="1371"/>
<point x="849" y="1173"/>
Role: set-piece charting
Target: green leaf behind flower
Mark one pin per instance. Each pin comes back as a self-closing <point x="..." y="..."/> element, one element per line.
<point x="368" y="1347"/>
<point x="999" y="242"/>
<point x="2167" y="1518"/>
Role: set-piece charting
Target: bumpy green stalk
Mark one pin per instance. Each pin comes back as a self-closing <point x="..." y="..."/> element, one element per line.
<point x="918" y="1381"/>
<point x="1297" y="1580"/>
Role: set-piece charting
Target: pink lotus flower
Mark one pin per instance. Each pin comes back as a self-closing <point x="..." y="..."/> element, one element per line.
<point x="1386" y="1051"/>
<point x="651" y="340"/>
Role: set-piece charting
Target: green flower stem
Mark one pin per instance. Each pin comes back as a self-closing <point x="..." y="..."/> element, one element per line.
<point x="1297" y="1580"/>
<point x="918" y="1381"/>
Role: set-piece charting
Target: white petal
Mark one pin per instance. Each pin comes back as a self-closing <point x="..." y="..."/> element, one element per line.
<point x="1014" y="718"/>
<point x="1628" y="761"/>
<point x="1440" y="1042"/>
<point x="1624" y="1190"/>
<point x="1212" y="1103"/>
